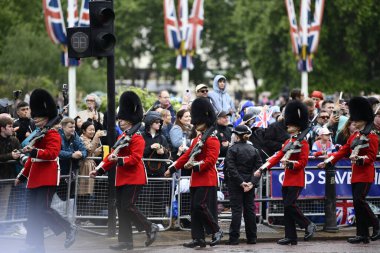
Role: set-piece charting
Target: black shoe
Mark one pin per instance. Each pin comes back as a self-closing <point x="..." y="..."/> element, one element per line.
<point x="33" y="249"/>
<point x="376" y="233"/>
<point x="216" y="238"/>
<point x="358" y="239"/>
<point x="151" y="235"/>
<point x="194" y="243"/>
<point x="232" y="242"/>
<point x="70" y="236"/>
<point x="309" y="231"/>
<point x="122" y="246"/>
<point x="287" y="241"/>
<point x="251" y="241"/>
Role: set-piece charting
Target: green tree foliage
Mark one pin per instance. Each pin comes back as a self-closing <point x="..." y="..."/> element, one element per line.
<point x="238" y="34"/>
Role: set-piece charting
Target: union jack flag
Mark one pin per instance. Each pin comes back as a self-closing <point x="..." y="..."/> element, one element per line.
<point x="312" y="30"/>
<point x="314" y="25"/>
<point x="84" y="18"/>
<point x="220" y="171"/>
<point x="54" y="22"/>
<point x="262" y="120"/>
<point x="345" y="213"/>
<point x="172" y="35"/>
<point x="195" y="29"/>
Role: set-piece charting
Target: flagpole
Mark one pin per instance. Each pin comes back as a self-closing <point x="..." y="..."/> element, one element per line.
<point x="72" y="74"/>
<point x="304" y="74"/>
<point x="185" y="22"/>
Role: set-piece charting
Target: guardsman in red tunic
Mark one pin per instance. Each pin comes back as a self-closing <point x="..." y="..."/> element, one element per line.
<point x="362" y="148"/>
<point x="130" y="172"/>
<point x="42" y="172"/>
<point x="201" y="158"/>
<point x="293" y="157"/>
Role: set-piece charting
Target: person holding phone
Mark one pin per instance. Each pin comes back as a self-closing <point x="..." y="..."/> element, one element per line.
<point x="92" y="111"/>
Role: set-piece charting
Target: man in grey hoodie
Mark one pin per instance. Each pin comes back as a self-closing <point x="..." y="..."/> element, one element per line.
<point x="220" y="97"/>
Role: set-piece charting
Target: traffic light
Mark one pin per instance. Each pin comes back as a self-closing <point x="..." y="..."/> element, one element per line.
<point x="98" y="40"/>
<point x="102" y="19"/>
<point x="79" y="44"/>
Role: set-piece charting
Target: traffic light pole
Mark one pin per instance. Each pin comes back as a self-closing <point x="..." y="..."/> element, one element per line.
<point x="111" y="140"/>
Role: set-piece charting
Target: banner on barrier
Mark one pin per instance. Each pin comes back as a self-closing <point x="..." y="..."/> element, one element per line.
<point x="315" y="181"/>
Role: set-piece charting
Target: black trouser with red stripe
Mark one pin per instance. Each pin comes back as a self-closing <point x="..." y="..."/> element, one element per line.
<point x="40" y="214"/>
<point x="365" y="218"/>
<point x="203" y="205"/>
<point x="292" y="213"/>
<point x="126" y="198"/>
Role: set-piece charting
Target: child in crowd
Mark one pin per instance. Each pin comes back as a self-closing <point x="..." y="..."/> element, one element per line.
<point x="323" y="146"/>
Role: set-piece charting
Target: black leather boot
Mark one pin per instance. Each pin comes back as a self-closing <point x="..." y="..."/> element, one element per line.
<point x="151" y="235"/>
<point x="358" y="239"/>
<point x="287" y="241"/>
<point x="309" y="231"/>
<point x="122" y="246"/>
<point x="217" y="237"/>
<point x="70" y="236"/>
<point x="376" y="233"/>
<point x="194" y="243"/>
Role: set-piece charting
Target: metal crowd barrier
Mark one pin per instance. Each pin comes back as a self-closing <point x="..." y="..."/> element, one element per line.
<point x="310" y="206"/>
<point x="88" y="205"/>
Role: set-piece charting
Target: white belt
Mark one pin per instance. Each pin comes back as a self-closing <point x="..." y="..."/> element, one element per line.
<point x="38" y="160"/>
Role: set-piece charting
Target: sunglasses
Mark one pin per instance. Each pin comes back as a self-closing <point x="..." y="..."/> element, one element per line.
<point x="324" y="117"/>
<point x="203" y="91"/>
<point x="90" y="100"/>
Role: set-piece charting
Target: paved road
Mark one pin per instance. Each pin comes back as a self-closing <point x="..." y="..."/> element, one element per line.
<point x="167" y="243"/>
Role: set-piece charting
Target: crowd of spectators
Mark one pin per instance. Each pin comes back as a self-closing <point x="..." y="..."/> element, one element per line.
<point x="168" y="135"/>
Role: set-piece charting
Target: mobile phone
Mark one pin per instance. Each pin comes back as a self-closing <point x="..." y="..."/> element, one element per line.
<point x="104" y="132"/>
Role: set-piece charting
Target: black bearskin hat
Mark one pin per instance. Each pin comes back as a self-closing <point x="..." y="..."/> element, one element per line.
<point x="202" y="112"/>
<point x="42" y="104"/>
<point x="296" y="114"/>
<point x="360" y="109"/>
<point x="130" y="107"/>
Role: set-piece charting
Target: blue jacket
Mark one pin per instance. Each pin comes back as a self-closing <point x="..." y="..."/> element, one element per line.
<point x="67" y="149"/>
<point x="222" y="101"/>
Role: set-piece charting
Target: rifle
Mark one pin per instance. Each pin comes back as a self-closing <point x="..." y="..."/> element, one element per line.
<point x="360" y="143"/>
<point x="293" y="147"/>
<point x="198" y="147"/>
<point x="41" y="134"/>
<point x="122" y="142"/>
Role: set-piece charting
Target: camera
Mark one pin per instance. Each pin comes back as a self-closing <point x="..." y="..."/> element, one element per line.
<point x="16" y="94"/>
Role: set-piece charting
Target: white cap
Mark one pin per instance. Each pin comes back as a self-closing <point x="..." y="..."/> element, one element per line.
<point x="323" y="130"/>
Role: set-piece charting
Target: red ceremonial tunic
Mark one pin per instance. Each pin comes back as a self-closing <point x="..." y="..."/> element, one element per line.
<point x="42" y="169"/>
<point x="205" y="174"/>
<point x="295" y="176"/>
<point x="360" y="173"/>
<point x="132" y="172"/>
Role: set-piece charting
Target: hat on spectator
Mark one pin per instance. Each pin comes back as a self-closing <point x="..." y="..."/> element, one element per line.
<point x="242" y="129"/>
<point x="42" y="104"/>
<point x="323" y="130"/>
<point x="223" y="114"/>
<point x="373" y="100"/>
<point x="275" y="109"/>
<point x="130" y="107"/>
<point x="296" y="114"/>
<point x="202" y="112"/>
<point x="316" y="94"/>
<point x="360" y="109"/>
<point x="200" y="86"/>
<point x="152" y="116"/>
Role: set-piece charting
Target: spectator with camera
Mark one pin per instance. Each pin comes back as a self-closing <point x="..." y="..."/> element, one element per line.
<point x="91" y="140"/>
<point x="180" y="133"/>
<point x="8" y="151"/>
<point x="92" y="111"/>
<point x="163" y="102"/>
<point x="24" y="125"/>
